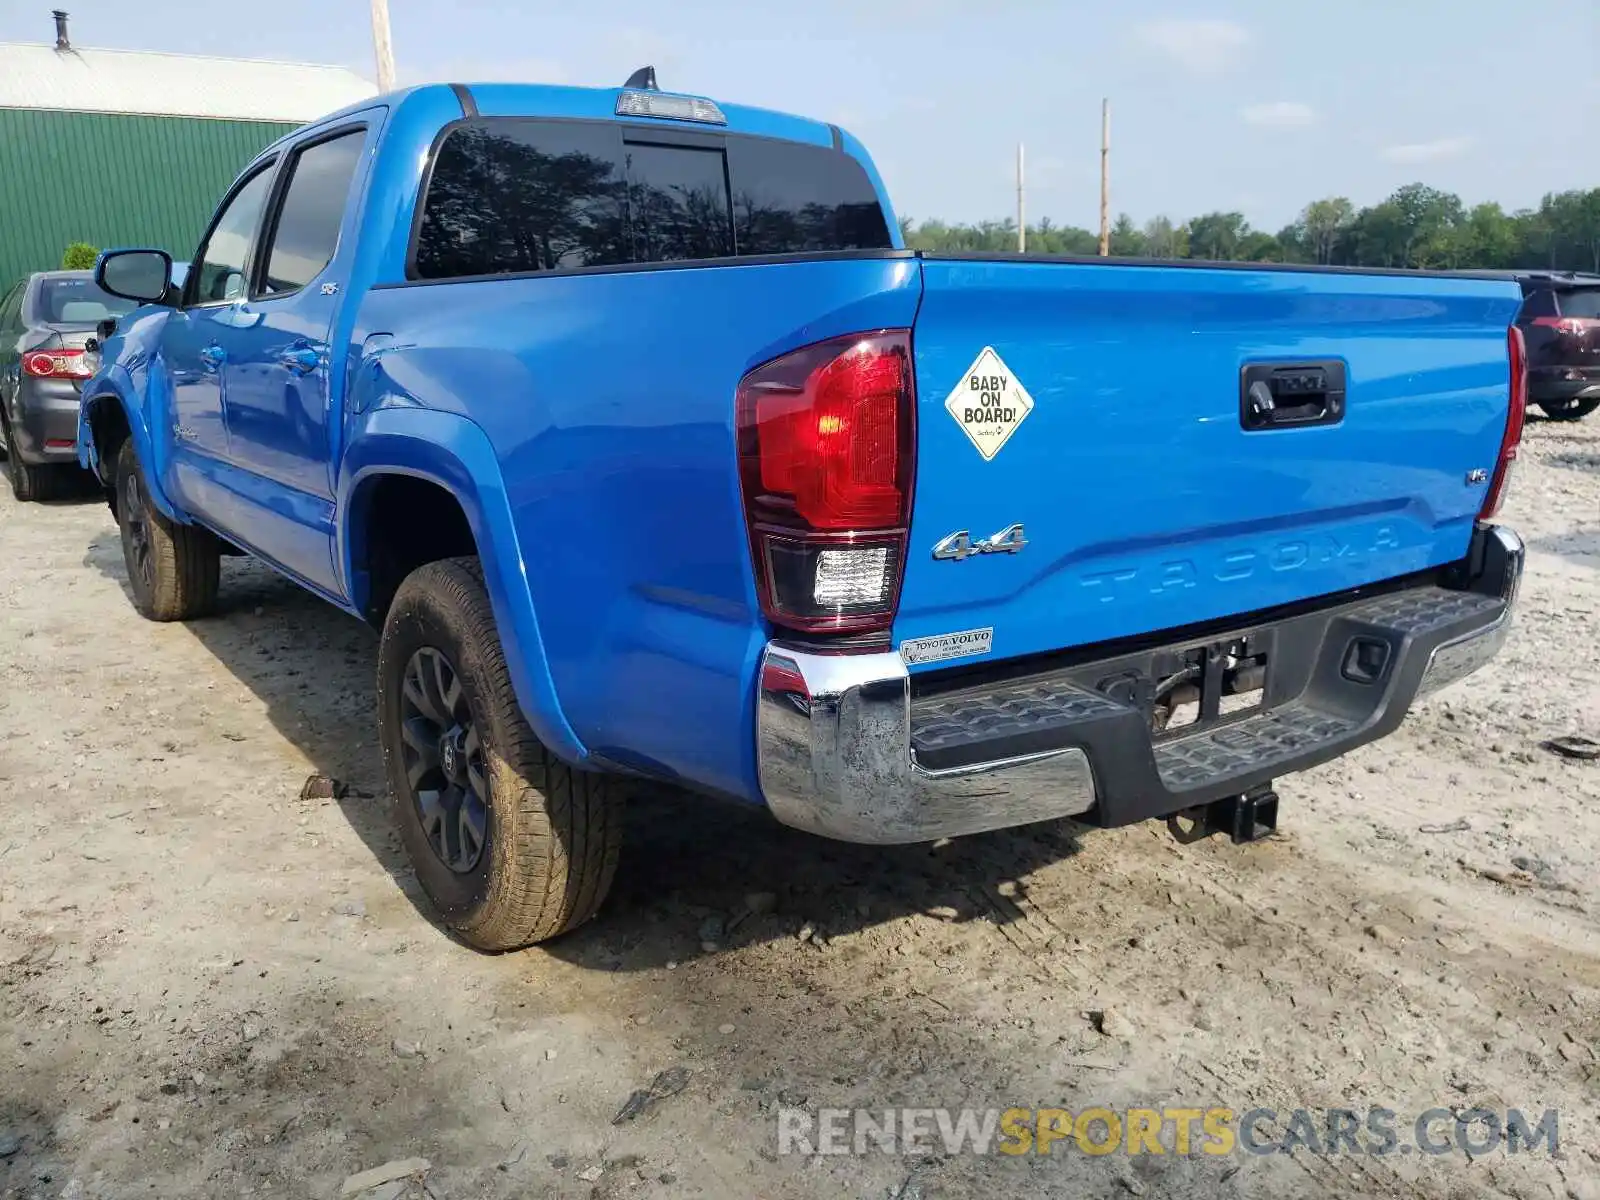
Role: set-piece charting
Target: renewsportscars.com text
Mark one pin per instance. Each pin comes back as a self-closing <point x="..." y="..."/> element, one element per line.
<point x="1374" y="1132"/>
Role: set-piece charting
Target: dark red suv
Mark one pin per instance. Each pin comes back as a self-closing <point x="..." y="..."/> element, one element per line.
<point x="1560" y="321"/>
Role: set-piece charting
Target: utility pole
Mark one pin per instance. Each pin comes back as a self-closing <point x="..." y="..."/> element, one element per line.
<point x="1105" y="178"/>
<point x="1022" y="209"/>
<point x="382" y="46"/>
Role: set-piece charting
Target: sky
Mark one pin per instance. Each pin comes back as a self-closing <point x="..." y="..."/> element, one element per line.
<point x="1251" y="105"/>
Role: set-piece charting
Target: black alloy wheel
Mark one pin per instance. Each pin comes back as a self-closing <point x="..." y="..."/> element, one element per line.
<point x="136" y="529"/>
<point x="443" y="762"/>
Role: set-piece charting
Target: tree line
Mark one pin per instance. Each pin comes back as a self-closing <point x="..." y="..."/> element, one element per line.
<point x="1418" y="226"/>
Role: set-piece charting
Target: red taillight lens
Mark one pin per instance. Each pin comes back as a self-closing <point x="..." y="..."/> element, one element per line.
<point x="1517" y="352"/>
<point x="55" y="364"/>
<point x="827" y="433"/>
<point x="826" y="460"/>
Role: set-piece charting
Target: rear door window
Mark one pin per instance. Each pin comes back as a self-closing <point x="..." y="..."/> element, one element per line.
<point x="516" y="195"/>
<point x="307" y="229"/>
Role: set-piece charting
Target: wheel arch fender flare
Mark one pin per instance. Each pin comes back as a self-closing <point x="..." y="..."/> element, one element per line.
<point x="453" y="452"/>
<point x="110" y="392"/>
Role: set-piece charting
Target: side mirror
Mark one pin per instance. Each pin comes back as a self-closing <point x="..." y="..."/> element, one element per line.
<point x="140" y="275"/>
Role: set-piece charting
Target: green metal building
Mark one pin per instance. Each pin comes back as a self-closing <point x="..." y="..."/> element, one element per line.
<point x="124" y="148"/>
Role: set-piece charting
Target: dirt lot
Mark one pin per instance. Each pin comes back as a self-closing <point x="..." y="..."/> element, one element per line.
<point x="209" y="987"/>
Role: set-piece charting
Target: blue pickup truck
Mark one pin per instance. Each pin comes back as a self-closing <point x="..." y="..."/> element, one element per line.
<point x="629" y="421"/>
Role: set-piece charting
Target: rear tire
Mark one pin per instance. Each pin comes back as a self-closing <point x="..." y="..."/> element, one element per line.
<point x="512" y="845"/>
<point x="28" y="482"/>
<point x="1569" y="410"/>
<point x="173" y="570"/>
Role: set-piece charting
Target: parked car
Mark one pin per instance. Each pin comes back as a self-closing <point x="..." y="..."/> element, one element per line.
<point x="45" y="319"/>
<point x="1560" y="320"/>
<point x="629" y="422"/>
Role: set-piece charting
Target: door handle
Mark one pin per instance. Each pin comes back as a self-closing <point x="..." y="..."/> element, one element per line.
<point x="213" y="356"/>
<point x="302" y="360"/>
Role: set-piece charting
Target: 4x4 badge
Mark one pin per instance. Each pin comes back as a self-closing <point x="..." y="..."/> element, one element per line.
<point x="959" y="546"/>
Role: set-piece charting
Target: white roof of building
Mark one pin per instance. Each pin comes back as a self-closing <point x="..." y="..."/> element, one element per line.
<point x="182" y="85"/>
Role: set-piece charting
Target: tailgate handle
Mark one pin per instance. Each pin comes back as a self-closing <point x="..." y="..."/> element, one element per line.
<point x="1291" y="395"/>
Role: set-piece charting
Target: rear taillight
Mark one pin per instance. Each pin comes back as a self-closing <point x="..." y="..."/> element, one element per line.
<point x="1517" y="352"/>
<point x="826" y="450"/>
<point x="55" y="364"/>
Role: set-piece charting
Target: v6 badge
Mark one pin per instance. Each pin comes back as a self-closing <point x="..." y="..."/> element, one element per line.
<point x="989" y="403"/>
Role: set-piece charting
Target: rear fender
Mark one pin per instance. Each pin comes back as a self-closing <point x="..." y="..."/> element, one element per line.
<point x="452" y="452"/>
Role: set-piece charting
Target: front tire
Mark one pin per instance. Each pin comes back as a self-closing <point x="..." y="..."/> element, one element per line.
<point x="511" y="845"/>
<point x="173" y="570"/>
<point x="1569" y="410"/>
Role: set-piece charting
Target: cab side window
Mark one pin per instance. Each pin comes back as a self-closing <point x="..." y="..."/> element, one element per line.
<point x="224" y="259"/>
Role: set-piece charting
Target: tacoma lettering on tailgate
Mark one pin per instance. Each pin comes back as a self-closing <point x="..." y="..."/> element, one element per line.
<point x="1234" y="565"/>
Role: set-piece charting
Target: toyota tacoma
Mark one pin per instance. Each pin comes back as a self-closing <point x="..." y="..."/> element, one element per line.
<point x="628" y="420"/>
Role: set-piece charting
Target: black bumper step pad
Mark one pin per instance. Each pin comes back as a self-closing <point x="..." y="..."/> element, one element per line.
<point x="942" y="724"/>
<point x="1314" y="706"/>
<point x="1279" y="735"/>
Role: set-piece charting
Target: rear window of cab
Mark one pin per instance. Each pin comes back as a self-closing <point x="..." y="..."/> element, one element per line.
<point x="514" y="195"/>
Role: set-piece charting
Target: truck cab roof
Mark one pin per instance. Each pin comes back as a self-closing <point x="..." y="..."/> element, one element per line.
<point x="412" y="127"/>
<point x="563" y="101"/>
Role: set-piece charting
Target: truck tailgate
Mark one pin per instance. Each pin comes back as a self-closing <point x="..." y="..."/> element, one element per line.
<point x="1145" y="501"/>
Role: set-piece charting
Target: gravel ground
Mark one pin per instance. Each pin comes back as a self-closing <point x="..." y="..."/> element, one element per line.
<point x="211" y="987"/>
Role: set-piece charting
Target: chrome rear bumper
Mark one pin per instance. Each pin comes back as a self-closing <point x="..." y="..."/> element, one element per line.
<point x="838" y="735"/>
<point x="836" y="759"/>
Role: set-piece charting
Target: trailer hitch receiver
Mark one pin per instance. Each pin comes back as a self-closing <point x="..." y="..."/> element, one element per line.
<point x="1246" y="818"/>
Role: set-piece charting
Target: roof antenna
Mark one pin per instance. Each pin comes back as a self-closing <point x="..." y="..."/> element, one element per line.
<point x="62" y="41"/>
<point x="644" y="79"/>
